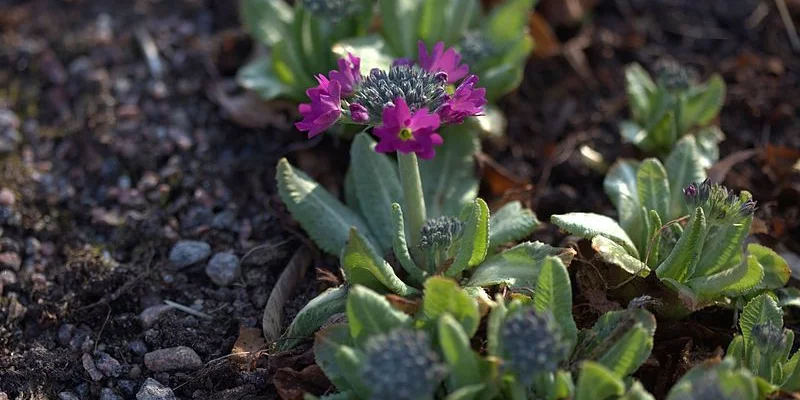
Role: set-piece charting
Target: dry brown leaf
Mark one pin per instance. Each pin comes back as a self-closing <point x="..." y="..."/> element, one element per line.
<point x="547" y="43"/>
<point x="247" y="110"/>
<point x="272" y="320"/>
<point x="292" y="385"/>
<point x="718" y="171"/>
<point x="248" y="346"/>
<point x="780" y="161"/>
<point x="403" y="304"/>
<point x="499" y="178"/>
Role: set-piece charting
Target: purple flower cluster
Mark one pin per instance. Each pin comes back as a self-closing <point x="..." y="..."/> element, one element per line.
<point x="406" y="105"/>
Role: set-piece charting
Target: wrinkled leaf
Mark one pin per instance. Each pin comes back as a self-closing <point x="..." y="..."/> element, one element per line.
<point x="589" y="225"/>
<point x="611" y="252"/>
<point x="776" y="269"/>
<point x="313" y="315"/>
<point x="363" y="266"/>
<point x="510" y="223"/>
<point x="684" y="165"/>
<point x="680" y="263"/>
<point x="400" y="247"/>
<point x="703" y="103"/>
<point x="368" y="313"/>
<point x="473" y="244"/>
<point x="554" y="294"/>
<point x="652" y="186"/>
<point x="596" y="382"/>
<point x="759" y="310"/>
<point x="444" y="296"/>
<point x="458" y="354"/>
<point x="517" y="267"/>
<point x="640" y="88"/>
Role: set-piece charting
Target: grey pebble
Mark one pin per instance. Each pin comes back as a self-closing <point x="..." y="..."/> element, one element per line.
<point x="67" y="396"/>
<point x="154" y="390"/>
<point x="65" y="334"/>
<point x="10" y="260"/>
<point x="151" y="314"/>
<point x="109" y="394"/>
<point x="88" y="365"/>
<point x="173" y="358"/>
<point x="137" y="347"/>
<point x="9" y="133"/>
<point x="188" y="252"/>
<point x="224" y="268"/>
<point x="126" y="387"/>
<point x="108" y="365"/>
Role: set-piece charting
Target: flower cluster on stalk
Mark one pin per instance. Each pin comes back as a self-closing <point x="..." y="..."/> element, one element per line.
<point x="406" y="104"/>
<point x="719" y="203"/>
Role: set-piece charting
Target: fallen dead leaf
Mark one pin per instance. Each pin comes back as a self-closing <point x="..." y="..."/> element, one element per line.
<point x="718" y="171"/>
<point x="247" y="110"/>
<point x="403" y="304"/>
<point x="779" y="162"/>
<point x="248" y="346"/>
<point x="547" y="43"/>
<point x="498" y="177"/>
<point x="272" y="320"/>
<point x="292" y="385"/>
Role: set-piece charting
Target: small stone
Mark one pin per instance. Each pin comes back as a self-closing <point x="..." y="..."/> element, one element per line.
<point x="32" y="247"/>
<point x="173" y="358"/>
<point x="135" y="372"/>
<point x="65" y="334"/>
<point x="88" y="365"/>
<point x="7" y="198"/>
<point x="3" y="396"/>
<point x="9" y="131"/>
<point x="10" y="260"/>
<point x="108" y="365"/>
<point x="150" y="315"/>
<point x="109" y="394"/>
<point x="67" y="396"/>
<point x="154" y="390"/>
<point x="126" y="387"/>
<point x="137" y="347"/>
<point x="224" y="268"/>
<point x="188" y="252"/>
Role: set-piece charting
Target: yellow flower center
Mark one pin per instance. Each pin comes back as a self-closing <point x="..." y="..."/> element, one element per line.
<point x="405" y="134"/>
<point x="451" y="89"/>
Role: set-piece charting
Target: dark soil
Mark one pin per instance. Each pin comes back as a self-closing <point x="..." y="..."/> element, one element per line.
<point x="124" y="153"/>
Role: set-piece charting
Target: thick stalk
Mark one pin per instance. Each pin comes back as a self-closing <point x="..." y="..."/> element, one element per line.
<point x="413" y="199"/>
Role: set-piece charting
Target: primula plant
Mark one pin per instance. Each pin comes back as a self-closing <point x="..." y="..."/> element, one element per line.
<point x="304" y="40"/>
<point x="671" y="107"/>
<point x="692" y="237"/>
<point x="530" y="344"/>
<point x="716" y="380"/>
<point x="423" y="213"/>
<point x="764" y="347"/>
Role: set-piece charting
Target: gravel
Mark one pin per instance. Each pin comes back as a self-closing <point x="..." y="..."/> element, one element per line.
<point x="154" y="390"/>
<point x="150" y="315"/>
<point x="173" y="358"/>
<point x="189" y="252"/>
<point x="224" y="268"/>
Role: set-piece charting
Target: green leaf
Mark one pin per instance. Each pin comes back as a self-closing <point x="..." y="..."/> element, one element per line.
<point x="554" y="294"/>
<point x="702" y="104"/>
<point x="492" y="124"/>
<point x="444" y="296"/>
<point x="401" y="248"/>
<point x="634" y="133"/>
<point x="368" y="313"/>
<point x="611" y="252"/>
<point x="620" y="186"/>
<point x="792" y="373"/>
<point x="510" y="223"/>
<point x="323" y="217"/>
<point x="377" y="186"/>
<point x="287" y="66"/>
<point x="466" y="392"/>
<point x="350" y="361"/>
<point x="517" y="267"/>
<point x="708" y="139"/>
<point x="371" y="49"/>
<point x="496" y="317"/>
<point x="662" y="135"/>
<point x="723" y="244"/>
<point x="458" y="354"/>
<point x="564" y="386"/>
<point x="473" y="243"/>
<point x="652" y="186"/>
<point x="400" y="18"/>
<point x="684" y="166"/>
<point x="350" y="198"/>
<point x="364" y="267"/>
<point x="734" y="382"/>
<point x="596" y="382"/>
<point x="506" y="21"/>
<point x="312" y="316"/>
<point x="776" y="269"/>
<point x="637" y="392"/>
<point x="731" y="282"/>
<point x="680" y="263"/>
<point x="326" y="345"/>
<point x="761" y="309"/>
<point x="501" y="79"/>
<point x="589" y="225"/>
<point x="622" y="340"/>
<point x="640" y="88"/>
<point x="736" y="349"/>
<point x="257" y="75"/>
<point x="266" y="20"/>
<point x="448" y="180"/>
<point x="628" y="354"/>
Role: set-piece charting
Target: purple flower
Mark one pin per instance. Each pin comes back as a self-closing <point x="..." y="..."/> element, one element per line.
<point x="349" y="73"/>
<point x="401" y="131"/>
<point x="359" y="113"/>
<point x="447" y="61"/>
<point x="465" y="102"/>
<point x="324" y="109"/>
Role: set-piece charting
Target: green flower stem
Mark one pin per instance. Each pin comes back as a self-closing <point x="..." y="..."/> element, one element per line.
<point x="413" y="199"/>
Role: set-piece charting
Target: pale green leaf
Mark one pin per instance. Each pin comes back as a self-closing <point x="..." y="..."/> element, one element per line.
<point x="510" y="223"/>
<point x="620" y="186"/>
<point x="708" y="139"/>
<point x="326" y="344"/>
<point x="466" y="393"/>
<point x="792" y="373"/>
<point x="448" y="180"/>
<point x="611" y="252"/>
<point x="662" y="135"/>
<point x="326" y="220"/>
<point x="628" y="353"/>
<point x="458" y="354"/>
<point x="400" y="246"/>
<point x="761" y="309"/>
<point x="640" y="89"/>
<point x="589" y="225"/>
<point x="703" y="103"/>
<point x="350" y="361"/>
<point x="684" y="165"/>
<point x="266" y="20"/>
<point x="621" y="340"/>
<point x="553" y="293"/>
<point x="735" y="281"/>
<point x="776" y="269"/>
<point x="637" y="392"/>
<point x="723" y="244"/>
<point x="680" y="263"/>
<point x="508" y="20"/>
<point x="473" y="243"/>
<point x="444" y="296"/>
<point x="400" y="18"/>
<point x="517" y="267"/>
<point x="496" y="317"/>
<point x="313" y="315"/>
<point x="736" y="349"/>
<point x="634" y="133"/>
<point x="596" y="382"/>
<point x="369" y="313"/>
<point x="258" y="76"/>
<point x="501" y="79"/>
<point x="363" y="266"/>
<point x="371" y="49"/>
<point x="652" y="186"/>
<point x="377" y="187"/>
